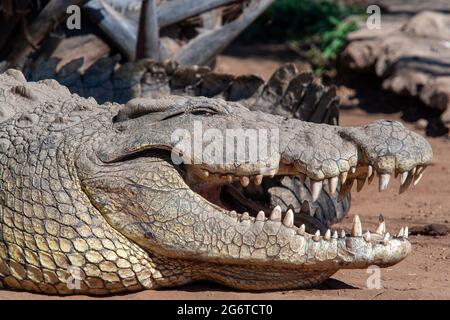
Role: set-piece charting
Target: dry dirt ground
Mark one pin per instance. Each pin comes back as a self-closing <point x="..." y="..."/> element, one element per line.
<point x="424" y="274"/>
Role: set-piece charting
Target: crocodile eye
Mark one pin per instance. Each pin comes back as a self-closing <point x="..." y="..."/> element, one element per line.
<point x="204" y="111"/>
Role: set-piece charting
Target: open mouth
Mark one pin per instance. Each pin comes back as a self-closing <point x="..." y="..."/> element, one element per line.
<point x="285" y="194"/>
<point x="292" y="197"/>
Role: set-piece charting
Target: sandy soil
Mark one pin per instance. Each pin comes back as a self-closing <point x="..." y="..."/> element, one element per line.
<point x="424" y="274"/>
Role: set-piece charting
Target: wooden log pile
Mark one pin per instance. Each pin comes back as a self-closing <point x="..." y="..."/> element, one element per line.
<point x="411" y="55"/>
<point x="187" y="31"/>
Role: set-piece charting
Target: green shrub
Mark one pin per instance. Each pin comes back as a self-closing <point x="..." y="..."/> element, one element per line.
<point x="316" y="26"/>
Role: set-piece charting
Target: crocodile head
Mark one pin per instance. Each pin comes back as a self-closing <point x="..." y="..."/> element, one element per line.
<point x="190" y="180"/>
<point x="164" y="192"/>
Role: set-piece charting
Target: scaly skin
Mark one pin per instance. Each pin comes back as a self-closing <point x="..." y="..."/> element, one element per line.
<point x="89" y="186"/>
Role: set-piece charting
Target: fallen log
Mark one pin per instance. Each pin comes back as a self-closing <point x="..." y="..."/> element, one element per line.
<point x="52" y="14"/>
<point x="207" y="45"/>
<point x="115" y="26"/>
<point x="412" y="60"/>
<point x="175" y="11"/>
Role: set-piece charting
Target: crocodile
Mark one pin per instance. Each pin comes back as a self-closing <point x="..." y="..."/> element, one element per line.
<point x="107" y="191"/>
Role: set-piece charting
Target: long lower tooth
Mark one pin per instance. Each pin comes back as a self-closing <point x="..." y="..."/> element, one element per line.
<point x="353" y="169"/>
<point x="244" y="181"/>
<point x="276" y="214"/>
<point x="316" y="188"/>
<point x="405" y="233"/>
<point x="258" y="179"/>
<point x="417" y="178"/>
<point x="335" y="235"/>
<point x="360" y="184"/>
<point x="384" y="181"/>
<point x="261" y="216"/>
<point x="327" y="235"/>
<point x="381" y="226"/>
<point x="357" y="228"/>
<point x="316" y="236"/>
<point x="301" y="230"/>
<point x="367" y="236"/>
<point x="289" y="219"/>
<point x="332" y="184"/>
<point x="343" y="177"/>
<point x="342" y="235"/>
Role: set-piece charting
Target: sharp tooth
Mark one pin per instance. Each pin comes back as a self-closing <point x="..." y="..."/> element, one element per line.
<point x="417" y="178"/>
<point x="381" y="226"/>
<point x="261" y="216"/>
<point x="316" y="188"/>
<point x="400" y="233"/>
<point x="353" y="169"/>
<point x="245" y="216"/>
<point x="343" y="177"/>
<point x="205" y="173"/>
<point x="367" y="236"/>
<point x="405" y="232"/>
<point x="386" y="238"/>
<point x="420" y="169"/>
<point x="327" y="235"/>
<point x="258" y="179"/>
<point x="302" y="177"/>
<point x="357" y="228"/>
<point x="332" y="184"/>
<point x="408" y="182"/>
<point x="316" y="236"/>
<point x="276" y="214"/>
<point x="345" y="189"/>
<point x="384" y="181"/>
<point x="289" y="218"/>
<point x="301" y="230"/>
<point x="335" y="235"/>
<point x="403" y="177"/>
<point x="343" y="234"/>
<point x="369" y="171"/>
<point x="360" y="184"/>
<point x="369" y="181"/>
<point x="233" y="213"/>
<point x="245" y="181"/>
